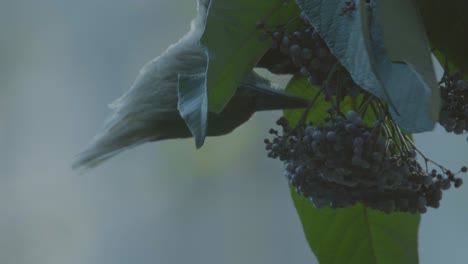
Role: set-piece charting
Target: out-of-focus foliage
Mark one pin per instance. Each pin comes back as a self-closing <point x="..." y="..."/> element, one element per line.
<point x="447" y="27"/>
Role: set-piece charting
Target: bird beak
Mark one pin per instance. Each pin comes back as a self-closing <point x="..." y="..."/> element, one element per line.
<point x="268" y="98"/>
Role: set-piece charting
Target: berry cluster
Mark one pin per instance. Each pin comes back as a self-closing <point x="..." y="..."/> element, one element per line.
<point x="454" y="112"/>
<point x="302" y="50"/>
<point x="344" y="161"/>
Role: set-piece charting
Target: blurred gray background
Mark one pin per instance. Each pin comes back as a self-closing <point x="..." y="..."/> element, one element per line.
<point x="61" y="63"/>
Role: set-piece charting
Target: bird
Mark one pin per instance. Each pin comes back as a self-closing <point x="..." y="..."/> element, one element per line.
<point x="148" y="111"/>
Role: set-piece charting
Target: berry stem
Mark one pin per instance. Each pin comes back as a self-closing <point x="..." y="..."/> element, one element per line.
<point x="304" y="115"/>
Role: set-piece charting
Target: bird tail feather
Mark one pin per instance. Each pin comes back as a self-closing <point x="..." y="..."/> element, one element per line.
<point x="117" y="135"/>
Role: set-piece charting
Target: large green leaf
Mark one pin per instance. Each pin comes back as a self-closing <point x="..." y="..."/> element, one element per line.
<point x="352" y="235"/>
<point x="446" y="22"/>
<point x="193" y="105"/>
<point x="358" y="235"/>
<point x="232" y="41"/>
<point x="409" y="45"/>
<point x="357" y="40"/>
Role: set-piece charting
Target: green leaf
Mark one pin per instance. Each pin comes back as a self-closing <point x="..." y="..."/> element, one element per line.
<point x="351" y="235"/>
<point x="193" y="105"/>
<point x="410" y="45"/>
<point x="447" y="27"/>
<point x="233" y="42"/>
<point x="357" y="40"/>
<point x="358" y="235"/>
